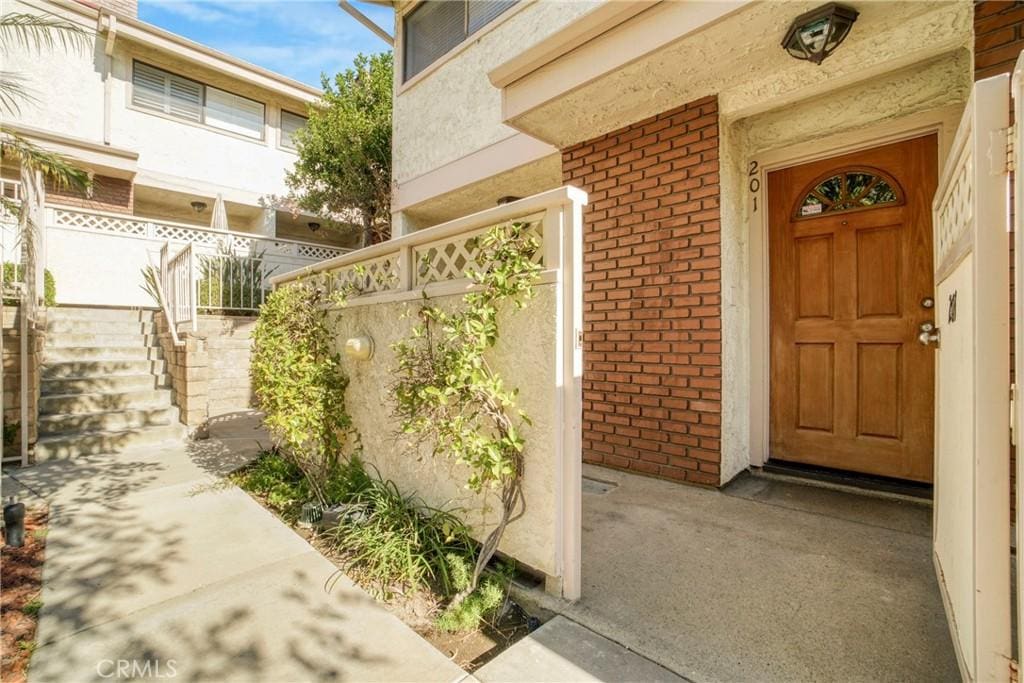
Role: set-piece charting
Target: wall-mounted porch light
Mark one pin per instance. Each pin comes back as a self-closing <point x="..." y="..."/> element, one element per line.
<point x="313" y="226"/>
<point x="816" y="34"/>
<point x="198" y="206"/>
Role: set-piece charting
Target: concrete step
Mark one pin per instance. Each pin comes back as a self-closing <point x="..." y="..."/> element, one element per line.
<point x="110" y="420"/>
<point x="59" y="340"/>
<point x="103" y="383"/>
<point x="100" y="353"/>
<point x="74" y="326"/>
<point x="53" y="369"/>
<point x="96" y="314"/>
<point x="59" y="404"/>
<point x="58" y="446"/>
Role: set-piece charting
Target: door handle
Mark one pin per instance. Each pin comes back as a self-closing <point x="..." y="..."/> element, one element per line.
<point x="929" y="334"/>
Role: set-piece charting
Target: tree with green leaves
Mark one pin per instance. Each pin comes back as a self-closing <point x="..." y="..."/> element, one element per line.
<point x="36" y="33"/>
<point x="344" y="164"/>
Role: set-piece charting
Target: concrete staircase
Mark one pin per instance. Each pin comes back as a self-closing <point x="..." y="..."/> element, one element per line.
<point x="103" y="384"/>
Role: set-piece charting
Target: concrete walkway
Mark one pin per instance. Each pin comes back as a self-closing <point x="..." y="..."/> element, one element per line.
<point x="765" y="580"/>
<point x="152" y="560"/>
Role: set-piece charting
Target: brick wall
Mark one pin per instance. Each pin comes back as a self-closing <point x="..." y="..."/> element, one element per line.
<point x="108" y="194"/>
<point x="652" y="379"/>
<point x="998" y="37"/>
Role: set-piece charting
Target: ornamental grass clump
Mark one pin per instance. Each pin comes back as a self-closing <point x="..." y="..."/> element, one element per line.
<point x="297" y="379"/>
<point x="393" y="540"/>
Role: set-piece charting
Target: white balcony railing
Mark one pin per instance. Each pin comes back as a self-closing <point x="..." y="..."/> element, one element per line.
<point x="96" y="256"/>
<point x="133" y="226"/>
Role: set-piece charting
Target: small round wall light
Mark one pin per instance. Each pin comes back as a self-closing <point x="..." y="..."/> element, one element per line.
<point x="359" y="348"/>
<point x="815" y="35"/>
<point x="508" y="199"/>
<point x="313" y="226"/>
<point x="198" y="206"/>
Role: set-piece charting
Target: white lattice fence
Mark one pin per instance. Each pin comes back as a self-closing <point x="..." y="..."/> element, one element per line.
<point x="955" y="214"/>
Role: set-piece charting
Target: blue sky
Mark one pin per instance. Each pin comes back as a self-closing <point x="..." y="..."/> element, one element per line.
<point x="298" y="38"/>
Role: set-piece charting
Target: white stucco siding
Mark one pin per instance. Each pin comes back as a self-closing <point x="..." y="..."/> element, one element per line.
<point x="454" y="110"/>
<point x="845" y="115"/>
<point x="525" y="359"/>
<point x="195" y="153"/>
<point x="65" y="84"/>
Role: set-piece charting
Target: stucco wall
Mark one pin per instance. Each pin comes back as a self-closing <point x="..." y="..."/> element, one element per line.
<point x="455" y="110"/>
<point x="524" y="357"/>
<point x="929" y="86"/>
<point x="67" y="85"/>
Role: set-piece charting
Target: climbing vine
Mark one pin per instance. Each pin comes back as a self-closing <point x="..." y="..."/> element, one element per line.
<point x="298" y="381"/>
<point x="447" y="394"/>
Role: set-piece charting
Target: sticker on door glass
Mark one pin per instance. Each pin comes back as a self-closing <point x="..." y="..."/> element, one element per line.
<point x="810" y="209"/>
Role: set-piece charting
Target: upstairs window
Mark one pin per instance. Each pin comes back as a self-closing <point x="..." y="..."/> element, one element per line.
<point x="290" y="125"/>
<point x="167" y="93"/>
<point x="434" y="27"/>
<point x="183" y="98"/>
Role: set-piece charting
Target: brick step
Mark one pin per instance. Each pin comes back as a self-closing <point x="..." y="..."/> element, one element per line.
<point x="100" y="353"/>
<point x="109" y="420"/>
<point x="101" y="368"/>
<point x="97" y="314"/>
<point x="60" y="340"/>
<point x="103" y="383"/>
<point x="58" y="404"/>
<point x="59" y="446"/>
<point x="73" y="326"/>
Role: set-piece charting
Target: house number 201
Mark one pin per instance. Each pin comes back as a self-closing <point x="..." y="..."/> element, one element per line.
<point x="753" y="182"/>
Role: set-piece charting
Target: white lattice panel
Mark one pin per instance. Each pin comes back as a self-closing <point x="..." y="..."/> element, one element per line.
<point x="955" y="214"/>
<point x="453" y="259"/>
<point x="370" y="277"/>
<point x="176" y="233"/>
<point x="100" y="223"/>
<point x="317" y="252"/>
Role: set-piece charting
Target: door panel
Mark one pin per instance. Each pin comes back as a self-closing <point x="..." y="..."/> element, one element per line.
<point x="850" y="386"/>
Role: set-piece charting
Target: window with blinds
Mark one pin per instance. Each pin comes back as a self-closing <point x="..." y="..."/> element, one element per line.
<point x="290" y="124"/>
<point x="159" y="90"/>
<point x="183" y="98"/>
<point x="434" y="27"/>
<point x="234" y="113"/>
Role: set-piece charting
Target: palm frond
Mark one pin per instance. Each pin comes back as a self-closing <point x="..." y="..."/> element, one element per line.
<point x="13" y="92"/>
<point x="56" y="168"/>
<point x="39" y="31"/>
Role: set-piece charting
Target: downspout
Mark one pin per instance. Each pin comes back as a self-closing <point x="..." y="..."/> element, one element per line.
<point x="108" y="66"/>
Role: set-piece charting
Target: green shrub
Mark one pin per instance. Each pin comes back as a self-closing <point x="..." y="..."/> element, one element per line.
<point x="230" y="284"/>
<point x="10" y="434"/>
<point x="14" y="272"/>
<point x="489" y="596"/>
<point x="279" y="481"/>
<point x="298" y="383"/>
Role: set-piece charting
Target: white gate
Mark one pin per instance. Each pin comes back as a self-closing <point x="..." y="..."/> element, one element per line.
<point x="971" y="529"/>
<point x="1018" y="310"/>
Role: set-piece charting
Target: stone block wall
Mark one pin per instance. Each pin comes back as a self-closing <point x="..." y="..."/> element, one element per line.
<point x="210" y="372"/>
<point x="11" y="330"/>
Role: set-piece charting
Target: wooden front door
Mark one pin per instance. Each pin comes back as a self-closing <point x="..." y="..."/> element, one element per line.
<point x="851" y="283"/>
